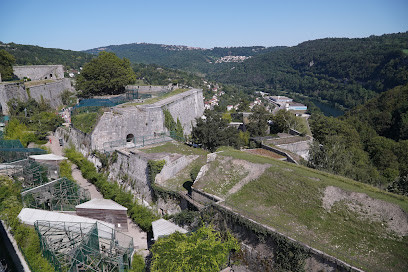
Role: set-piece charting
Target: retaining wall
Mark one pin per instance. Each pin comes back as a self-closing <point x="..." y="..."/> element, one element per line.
<point x="260" y="249"/>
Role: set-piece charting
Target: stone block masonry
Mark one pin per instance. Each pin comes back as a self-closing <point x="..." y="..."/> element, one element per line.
<point x="39" y="72"/>
<point x="50" y="92"/>
<point x="143" y="120"/>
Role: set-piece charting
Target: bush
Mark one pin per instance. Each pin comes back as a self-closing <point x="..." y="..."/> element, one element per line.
<point x="138" y="263"/>
<point x="26" y="237"/>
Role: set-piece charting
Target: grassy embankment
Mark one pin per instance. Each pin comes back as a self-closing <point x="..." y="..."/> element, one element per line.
<point x="176" y="183"/>
<point x="156" y="99"/>
<point x="290" y="199"/>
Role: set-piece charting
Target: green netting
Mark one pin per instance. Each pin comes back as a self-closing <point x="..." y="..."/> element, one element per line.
<point x="10" y="144"/>
<point x="13" y="150"/>
<point x="75" y="247"/>
<point x="61" y="194"/>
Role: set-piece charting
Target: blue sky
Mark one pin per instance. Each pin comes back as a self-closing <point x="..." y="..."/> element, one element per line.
<point x="85" y="24"/>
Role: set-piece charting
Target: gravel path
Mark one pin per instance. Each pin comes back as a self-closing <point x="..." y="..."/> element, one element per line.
<point x="139" y="236"/>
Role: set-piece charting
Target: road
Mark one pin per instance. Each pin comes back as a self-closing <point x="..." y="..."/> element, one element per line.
<point x="139" y="236"/>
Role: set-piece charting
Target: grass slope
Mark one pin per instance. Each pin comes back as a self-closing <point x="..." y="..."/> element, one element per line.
<point x="289" y="198"/>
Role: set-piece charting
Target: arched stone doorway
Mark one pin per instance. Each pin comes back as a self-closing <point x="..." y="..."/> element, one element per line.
<point x="130" y="138"/>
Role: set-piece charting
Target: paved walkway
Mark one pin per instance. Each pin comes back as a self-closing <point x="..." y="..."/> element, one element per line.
<point x="139" y="236"/>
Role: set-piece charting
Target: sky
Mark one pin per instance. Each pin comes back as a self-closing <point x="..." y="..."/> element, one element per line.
<point x="86" y="24"/>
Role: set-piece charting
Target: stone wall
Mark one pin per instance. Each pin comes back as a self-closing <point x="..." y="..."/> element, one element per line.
<point x="39" y="72"/>
<point x="50" y="92"/>
<point x="171" y="168"/>
<point x="260" y="247"/>
<point x="144" y="120"/>
<point x="135" y="167"/>
<point x="71" y="135"/>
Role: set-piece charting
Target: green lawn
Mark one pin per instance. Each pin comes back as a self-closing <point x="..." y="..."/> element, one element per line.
<point x="289" y="198"/>
<point x="175" y="147"/>
<point x="156" y="99"/>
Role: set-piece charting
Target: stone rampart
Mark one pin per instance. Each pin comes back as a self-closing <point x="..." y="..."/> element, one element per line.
<point x="259" y="243"/>
<point x="172" y="167"/>
<point x="145" y="120"/>
<point x="50" y="92"/>
<point x="39" y="72"/>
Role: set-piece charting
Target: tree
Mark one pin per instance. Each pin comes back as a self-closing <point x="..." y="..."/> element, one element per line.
<point x="105" y="74"/>
<point x="6" y="65"/>
<point x="202" y="250"/>
<point x="213" y="131"/>
<point x="258" y="121"/>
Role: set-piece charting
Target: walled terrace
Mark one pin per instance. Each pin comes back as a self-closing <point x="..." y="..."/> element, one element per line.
<point x="335" y="223"/>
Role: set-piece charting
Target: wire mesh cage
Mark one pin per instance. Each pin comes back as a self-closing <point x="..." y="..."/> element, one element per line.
<point x="61" y="194"/>
<point x="75" y="247"/>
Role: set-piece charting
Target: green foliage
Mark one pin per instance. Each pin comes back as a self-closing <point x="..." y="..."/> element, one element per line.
<point x="200" y="61"/>
<point x="35" y="55"/>
<point x="65" y="169"/>
<point x="168" y="120"/>
<point x="138" y="263"/>
<point x="213" y="131"/>
<point x="284" y="120"/>
<point x="110" y="190"/>
<point x="351" y="145"/>
<point x="68" y="98"/>
<point x="105" y="74"/>
<point x="194" y="171"/>
<point x="203" y="250"/>
<point x="258" y="121"/>
<point x="26" y="237"/>
<point x="6" y="65"/>
<point x="345" y="72"/>
<point x="179" y="130"/>
<point x="85" y="122"/>
<point x="18" y="131"/>
<point x="154" y="168"/>
<point x="34" y="117"/>
<point x="186" y="218"/>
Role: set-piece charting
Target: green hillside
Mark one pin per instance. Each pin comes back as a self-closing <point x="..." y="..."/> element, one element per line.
<point x="36" y="55"/>
<point x="354" y="222"/>
<point x="342" y="71"/>
<point x="185" y="58"/>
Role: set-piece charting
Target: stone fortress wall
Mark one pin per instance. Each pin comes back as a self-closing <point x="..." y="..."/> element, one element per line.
<point x="39" y="72"/>
<point x="143" y="120"/>
<point x="51" y="92"/>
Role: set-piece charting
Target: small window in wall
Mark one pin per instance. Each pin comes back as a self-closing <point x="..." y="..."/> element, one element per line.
<point x="45" y="78"/>
<point x="50" y="75"/>
<point x="129" y="138"/>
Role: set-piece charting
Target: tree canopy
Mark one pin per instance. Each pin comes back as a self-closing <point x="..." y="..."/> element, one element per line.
<point x="213" y="131"/>
<point x="202" y="250"/>
<point x="105" y="75"/>
<point x="6" y="65"/>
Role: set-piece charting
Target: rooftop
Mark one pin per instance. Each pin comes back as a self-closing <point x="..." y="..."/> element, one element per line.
<point x="163" y="227"/>
<point x="101" y="204"/>
<point x="30" y="216"/>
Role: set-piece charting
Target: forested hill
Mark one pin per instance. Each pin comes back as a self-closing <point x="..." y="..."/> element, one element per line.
<point x="36" y="55"/>
<point x="191" y="59"/>
<point x="344" y="71"/>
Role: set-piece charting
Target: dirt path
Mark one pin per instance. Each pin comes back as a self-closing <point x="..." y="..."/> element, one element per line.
<point x="139" y="236"/>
